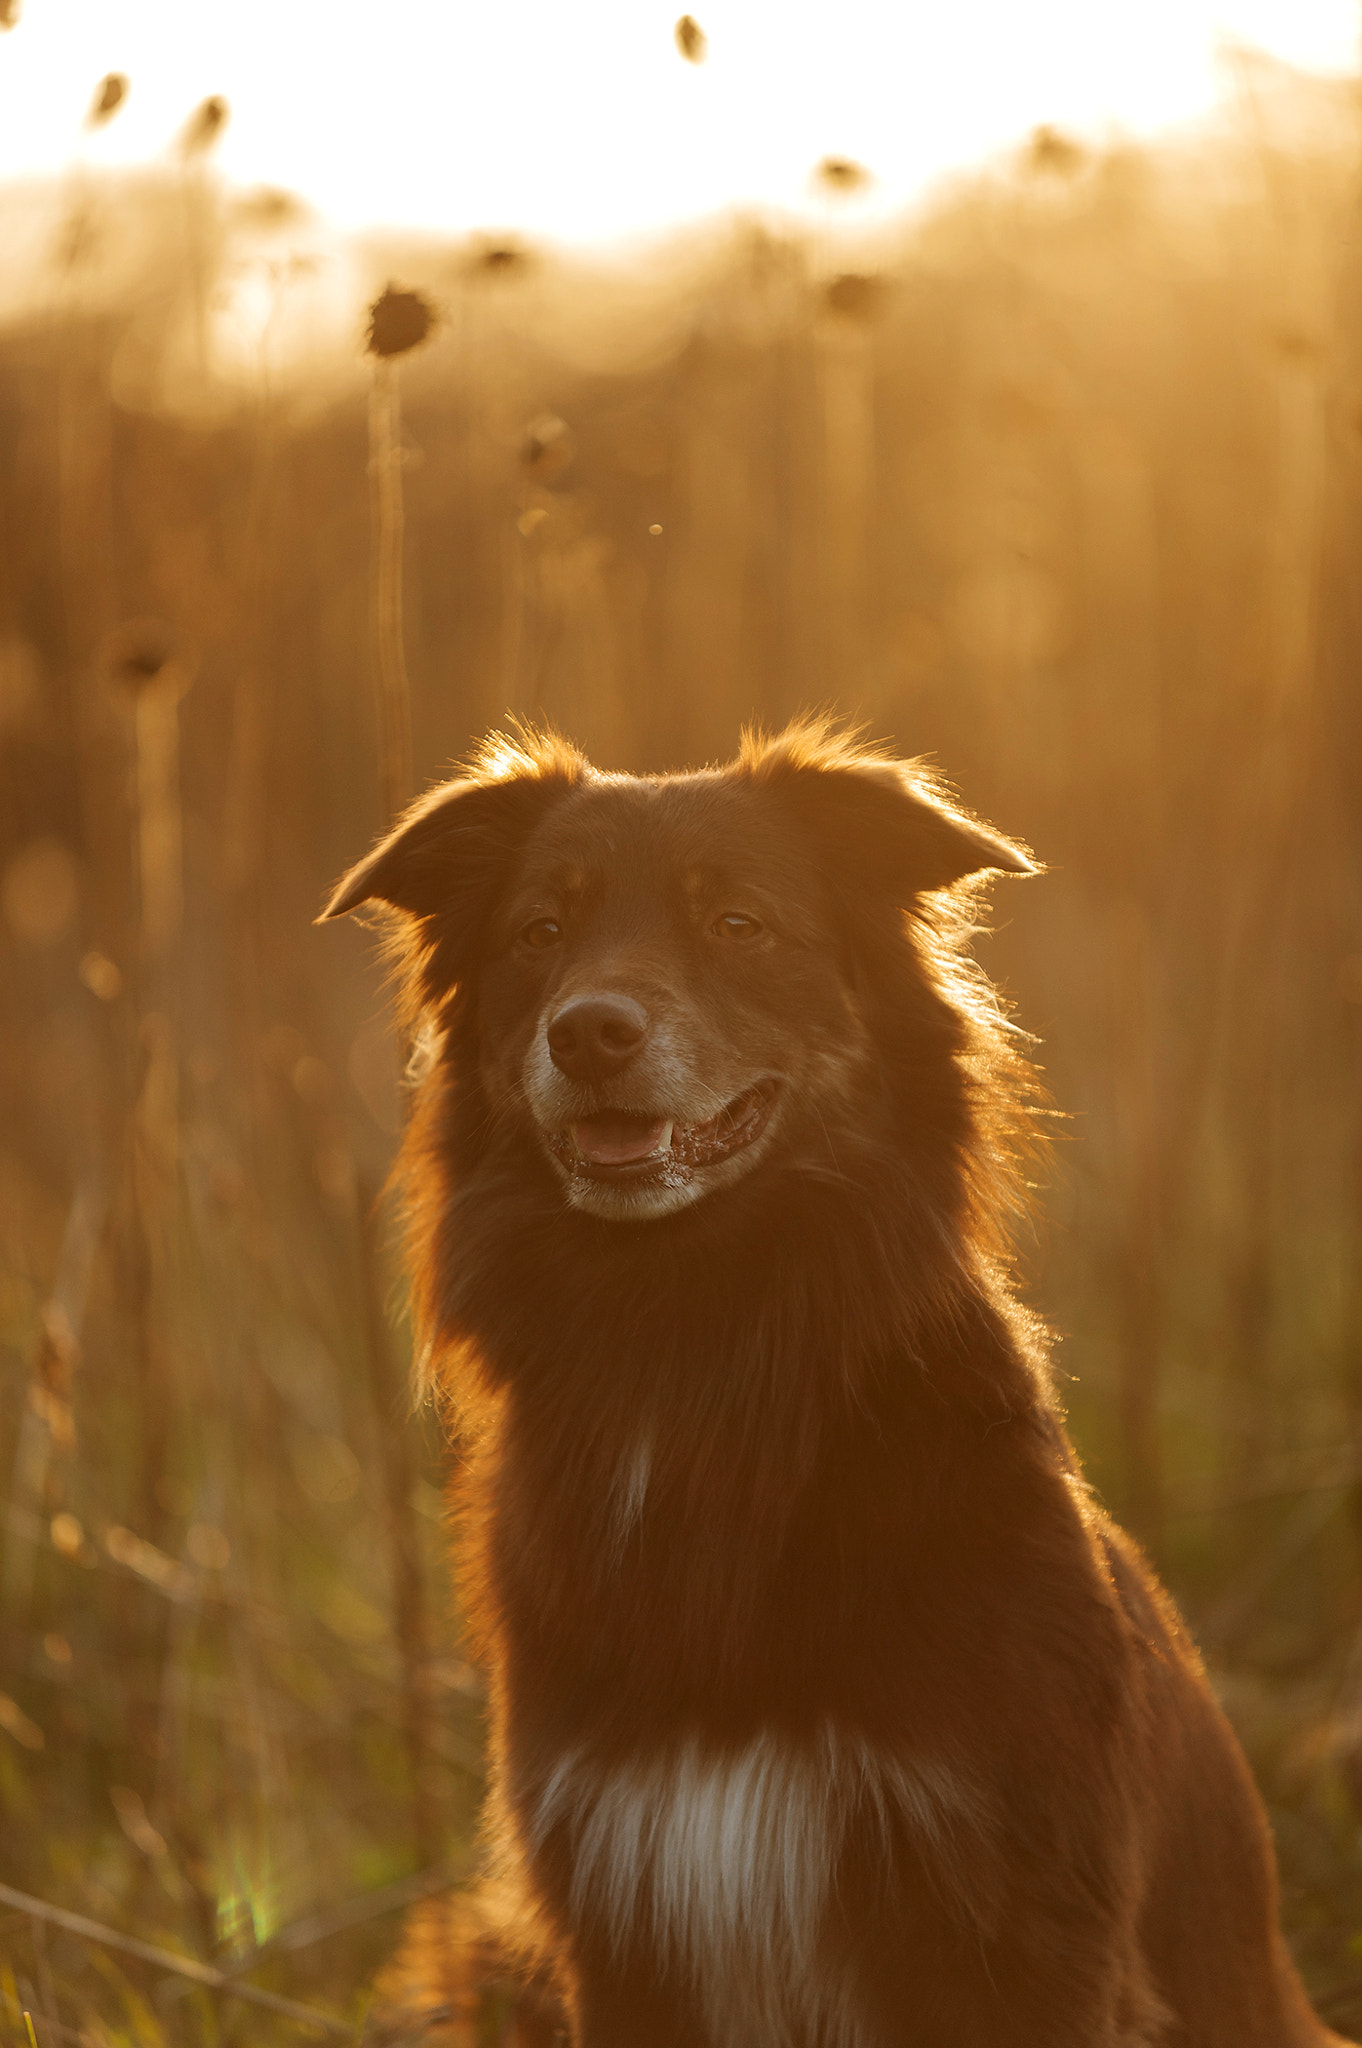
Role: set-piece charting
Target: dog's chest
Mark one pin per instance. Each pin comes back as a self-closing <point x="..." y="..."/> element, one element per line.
<point x="726" y="1862"/>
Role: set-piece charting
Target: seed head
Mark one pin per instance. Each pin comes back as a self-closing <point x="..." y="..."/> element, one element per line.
<point x="691" y="39"/>
<point x="1053" y="154"/>
<point x="498" y="259"/>
<point x="205" y="125"/>
<point x="10" y="10"/>
<point x="841" y="174"/>
<point x="268" y="207"/>
<point x="110" y="94"/>
<point x="398" y="320"/>
<point x="137" y="652"/>
<point x="547" y="449"/>
<point x="855" y="295"/>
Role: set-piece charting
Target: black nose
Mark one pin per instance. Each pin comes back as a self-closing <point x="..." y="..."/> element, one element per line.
<point x="592" y="1037"/>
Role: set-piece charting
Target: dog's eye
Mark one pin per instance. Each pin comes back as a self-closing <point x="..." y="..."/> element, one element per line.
<point x="733" y="925"/>
<point x="545" y="931"/>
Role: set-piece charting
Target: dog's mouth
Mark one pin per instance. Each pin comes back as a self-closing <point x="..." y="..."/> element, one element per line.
<point x="619" y="1145"/>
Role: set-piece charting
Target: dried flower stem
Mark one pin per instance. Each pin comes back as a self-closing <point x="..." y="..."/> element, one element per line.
<point x="166" y="1959"/>
<point x="158" y="811"/>
<point x="410" y="1622"/>
<point x="390" y="661"/>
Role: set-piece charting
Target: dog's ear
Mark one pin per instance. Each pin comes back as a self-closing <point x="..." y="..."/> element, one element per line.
<point x="443" y="846"/>
<point x="441" y="863"/>
<point x="882" y="824"/>
<point x="897" y="828"/>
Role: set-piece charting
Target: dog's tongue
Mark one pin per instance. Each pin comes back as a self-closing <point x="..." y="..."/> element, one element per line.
<point x="615" y="1140"/>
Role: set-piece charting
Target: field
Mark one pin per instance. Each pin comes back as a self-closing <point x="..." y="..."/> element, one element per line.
<point x="1060" y="484"/>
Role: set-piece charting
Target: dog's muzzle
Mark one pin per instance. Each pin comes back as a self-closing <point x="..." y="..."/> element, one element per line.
<point x="623" y="1145"/>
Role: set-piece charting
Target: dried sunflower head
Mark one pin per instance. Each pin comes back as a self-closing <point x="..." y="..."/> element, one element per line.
<point x="136" y="653"/>
<point x="498" y="259"/>
<point x="855" y="294"/>
<point x="1050" y="153"/>
<point x="398" y="320"/>
<point x="547" y="448"/>
<point x="110" y="94"/>
<point x="841" y="174"/>
<point x="268" y="207"/>
<point x="205" y="125"/>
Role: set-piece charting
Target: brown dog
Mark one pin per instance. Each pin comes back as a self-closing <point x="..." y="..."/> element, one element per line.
<point x="828" y="1709"/>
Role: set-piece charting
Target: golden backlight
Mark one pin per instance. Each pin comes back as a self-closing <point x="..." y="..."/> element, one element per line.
<point x="583" y="123"/>
<point x="373" y="379"/>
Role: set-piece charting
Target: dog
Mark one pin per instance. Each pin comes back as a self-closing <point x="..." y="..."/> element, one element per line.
<point x="828" y="1709"/>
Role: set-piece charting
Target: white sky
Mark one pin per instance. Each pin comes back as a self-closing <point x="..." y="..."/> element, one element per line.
<point x="577" y="119"/>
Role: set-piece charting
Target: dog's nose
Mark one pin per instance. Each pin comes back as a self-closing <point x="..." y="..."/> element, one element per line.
<point x="592" y="1037"/>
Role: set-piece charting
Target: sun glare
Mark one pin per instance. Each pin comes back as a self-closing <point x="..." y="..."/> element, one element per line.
<point x="586" y="123"/>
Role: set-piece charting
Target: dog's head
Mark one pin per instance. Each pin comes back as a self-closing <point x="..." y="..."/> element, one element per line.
<point x="660" y="974"/>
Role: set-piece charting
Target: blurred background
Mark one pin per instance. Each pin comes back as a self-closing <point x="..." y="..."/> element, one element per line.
<point x="1049" y="468"/>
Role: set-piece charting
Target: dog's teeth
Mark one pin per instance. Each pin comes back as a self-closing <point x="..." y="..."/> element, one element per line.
<point x="664" y="1143"/>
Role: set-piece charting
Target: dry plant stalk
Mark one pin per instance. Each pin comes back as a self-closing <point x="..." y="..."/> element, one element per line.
<point x="390" y="660"/>
<point x="410" y="1622"/>
<point x="158" y="811"/>
<point x="144" y="658"/>
<point x="398" y="321"/>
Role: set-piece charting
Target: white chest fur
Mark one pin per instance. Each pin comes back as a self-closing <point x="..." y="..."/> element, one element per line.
<point x="725" y="1859"/>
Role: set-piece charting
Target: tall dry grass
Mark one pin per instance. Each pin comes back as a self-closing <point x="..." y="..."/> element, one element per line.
<point x="1061" y="484"/>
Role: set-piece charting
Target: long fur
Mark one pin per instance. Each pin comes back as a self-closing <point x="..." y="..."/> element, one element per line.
<point x="828" y="1710"/>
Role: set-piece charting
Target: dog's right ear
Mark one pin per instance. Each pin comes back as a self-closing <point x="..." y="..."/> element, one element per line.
<point x="440" y="864"/>
<point x="445" y="841"/>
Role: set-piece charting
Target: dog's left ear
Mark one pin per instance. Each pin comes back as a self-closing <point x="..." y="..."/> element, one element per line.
<point x="882" y="824"/>
<point x="903" y="832"/>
